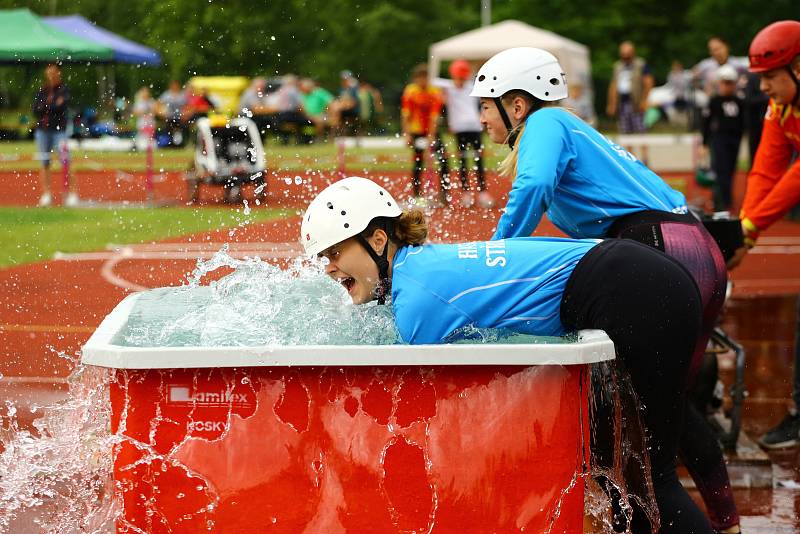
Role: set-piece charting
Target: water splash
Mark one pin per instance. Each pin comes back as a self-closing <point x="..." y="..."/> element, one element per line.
<point x="56" y="477"/>
<point x="257" y="304"/>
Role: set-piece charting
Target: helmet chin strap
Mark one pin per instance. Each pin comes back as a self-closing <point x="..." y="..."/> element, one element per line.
<point x="382" y="262"/>
<point x="512" y="131"/>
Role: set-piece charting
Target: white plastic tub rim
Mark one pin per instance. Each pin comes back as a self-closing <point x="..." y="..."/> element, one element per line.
<point x="592" y="346"/>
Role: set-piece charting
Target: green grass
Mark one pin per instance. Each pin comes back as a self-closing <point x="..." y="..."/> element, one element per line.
<point x="30" y="234"/>
<point x="321" y="156"/>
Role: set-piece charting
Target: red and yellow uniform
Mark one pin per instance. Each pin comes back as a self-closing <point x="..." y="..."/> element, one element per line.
<point x="420" y="108"/>
<point x="773" y="186"/>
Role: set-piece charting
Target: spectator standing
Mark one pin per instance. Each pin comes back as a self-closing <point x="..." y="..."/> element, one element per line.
<point x="723" y="124"/>
<point x="170" y="109"/>
<point x="144" y="109"/>
<point x="50" y="110"/>
<point x="631" y="83"/>
<point x="706" y="70"/>
<point x="464" y="122"/>
<point x="679" y="81"/>
<point x="316" y="100"/>
<point x="421" y="106"/>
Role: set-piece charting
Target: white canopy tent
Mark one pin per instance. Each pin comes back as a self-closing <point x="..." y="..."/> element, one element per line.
<point x="480" y="44"/>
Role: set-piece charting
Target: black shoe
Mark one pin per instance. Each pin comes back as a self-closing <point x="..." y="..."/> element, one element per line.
<point x="786" y="434"/>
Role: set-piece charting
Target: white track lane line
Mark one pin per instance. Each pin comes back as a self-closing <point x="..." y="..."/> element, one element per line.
<point x="175" y="251"/>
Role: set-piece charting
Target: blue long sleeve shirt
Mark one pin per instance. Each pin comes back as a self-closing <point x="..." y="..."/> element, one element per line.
<point x="515" y="284"/>
<point x="581" y="179"/>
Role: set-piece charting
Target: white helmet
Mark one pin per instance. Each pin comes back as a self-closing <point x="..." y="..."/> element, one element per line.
<point x="342" y="210"/>
<point x="533" y="70"/>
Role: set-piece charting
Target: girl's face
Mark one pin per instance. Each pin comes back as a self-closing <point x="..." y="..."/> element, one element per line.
<point x="492" y="121"/>
<point x="350" y="265"/>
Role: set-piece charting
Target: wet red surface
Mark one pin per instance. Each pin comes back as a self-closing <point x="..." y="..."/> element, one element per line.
<point x="327" y="450"/>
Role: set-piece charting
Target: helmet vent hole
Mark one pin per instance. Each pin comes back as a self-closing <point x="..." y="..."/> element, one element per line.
<point x="346" y="225"/>
<point x="481" y="78"/>
<point x="380" y="193"/>
<point x="330" y="205"/>
<point x="344" y="212"/>
<point x="388" y="203"/>
<point x="546" y="93"/>
<point x="494" y="78"/>
<point x="491" y="90"/>
<point x="538" y="77"/>
<point x="554" y="81"/>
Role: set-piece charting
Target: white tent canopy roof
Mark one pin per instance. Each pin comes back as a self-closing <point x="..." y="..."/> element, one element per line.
<point x="483" y="43"/>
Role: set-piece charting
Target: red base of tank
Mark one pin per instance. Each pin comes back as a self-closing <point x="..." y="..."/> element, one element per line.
<point x="390" y="449"/>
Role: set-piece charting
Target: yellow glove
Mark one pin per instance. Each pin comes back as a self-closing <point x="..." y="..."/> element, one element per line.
<point x="750" y="232"/>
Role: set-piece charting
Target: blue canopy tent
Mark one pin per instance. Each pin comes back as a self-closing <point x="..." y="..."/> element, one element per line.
<point x="124" y="50"/>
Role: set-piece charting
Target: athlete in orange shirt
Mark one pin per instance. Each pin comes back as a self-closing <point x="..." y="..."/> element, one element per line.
<point x="773" y="185"/>
<point x="421" y="107"/>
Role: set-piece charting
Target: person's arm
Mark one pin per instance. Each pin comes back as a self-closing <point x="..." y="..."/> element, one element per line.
<point x="39" y="104"/>
<point x="782" y="197"/>
<point x="377" y="100"/>
<point x="405" y="114"/>
<point x="539" y="167"/>
<point x="611" y="102"/>
<point x="705" y="127"/>
<point x="772" y="190"/>
<point x="61" y="100"/>
<point x="647" y="84"/>
<point x="436" y="111"/>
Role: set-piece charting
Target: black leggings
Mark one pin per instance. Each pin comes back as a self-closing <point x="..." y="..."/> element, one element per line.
<point x="438" y="154"/>
<point x="684" y="238"/>
<point x="650" y="307"/>
<point x="465" y="141"/>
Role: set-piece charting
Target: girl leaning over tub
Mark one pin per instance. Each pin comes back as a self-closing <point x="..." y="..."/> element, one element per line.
<point x="539" y="286"/>
<point x="590" y="187"/>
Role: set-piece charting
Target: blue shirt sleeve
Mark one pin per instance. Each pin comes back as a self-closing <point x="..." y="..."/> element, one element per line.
<point x="544" y="153"/>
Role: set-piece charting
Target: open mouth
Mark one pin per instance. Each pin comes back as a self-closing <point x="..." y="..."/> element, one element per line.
<point x="348" y="283"/>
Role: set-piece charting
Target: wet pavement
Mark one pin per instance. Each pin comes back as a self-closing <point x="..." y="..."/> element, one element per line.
<point x="765" y="326"/>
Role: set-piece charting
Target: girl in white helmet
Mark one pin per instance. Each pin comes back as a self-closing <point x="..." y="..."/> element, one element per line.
<point x="539" y="286"/>
<point x="590" y="187"/>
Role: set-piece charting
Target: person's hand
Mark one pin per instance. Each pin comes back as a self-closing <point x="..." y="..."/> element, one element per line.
<point x="737" y="257"/>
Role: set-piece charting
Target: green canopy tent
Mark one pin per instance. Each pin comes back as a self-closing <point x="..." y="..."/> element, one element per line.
<point x="25" y="38"/>
<point x="26" y="41"/>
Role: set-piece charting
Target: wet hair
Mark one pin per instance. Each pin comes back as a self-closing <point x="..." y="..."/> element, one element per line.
<point x="410" y="228"/>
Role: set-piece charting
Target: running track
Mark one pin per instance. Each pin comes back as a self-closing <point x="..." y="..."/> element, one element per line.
<point x="52" y="307"/>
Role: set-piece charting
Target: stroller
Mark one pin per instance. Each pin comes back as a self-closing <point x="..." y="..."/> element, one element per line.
<point x="229" y="153"/>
